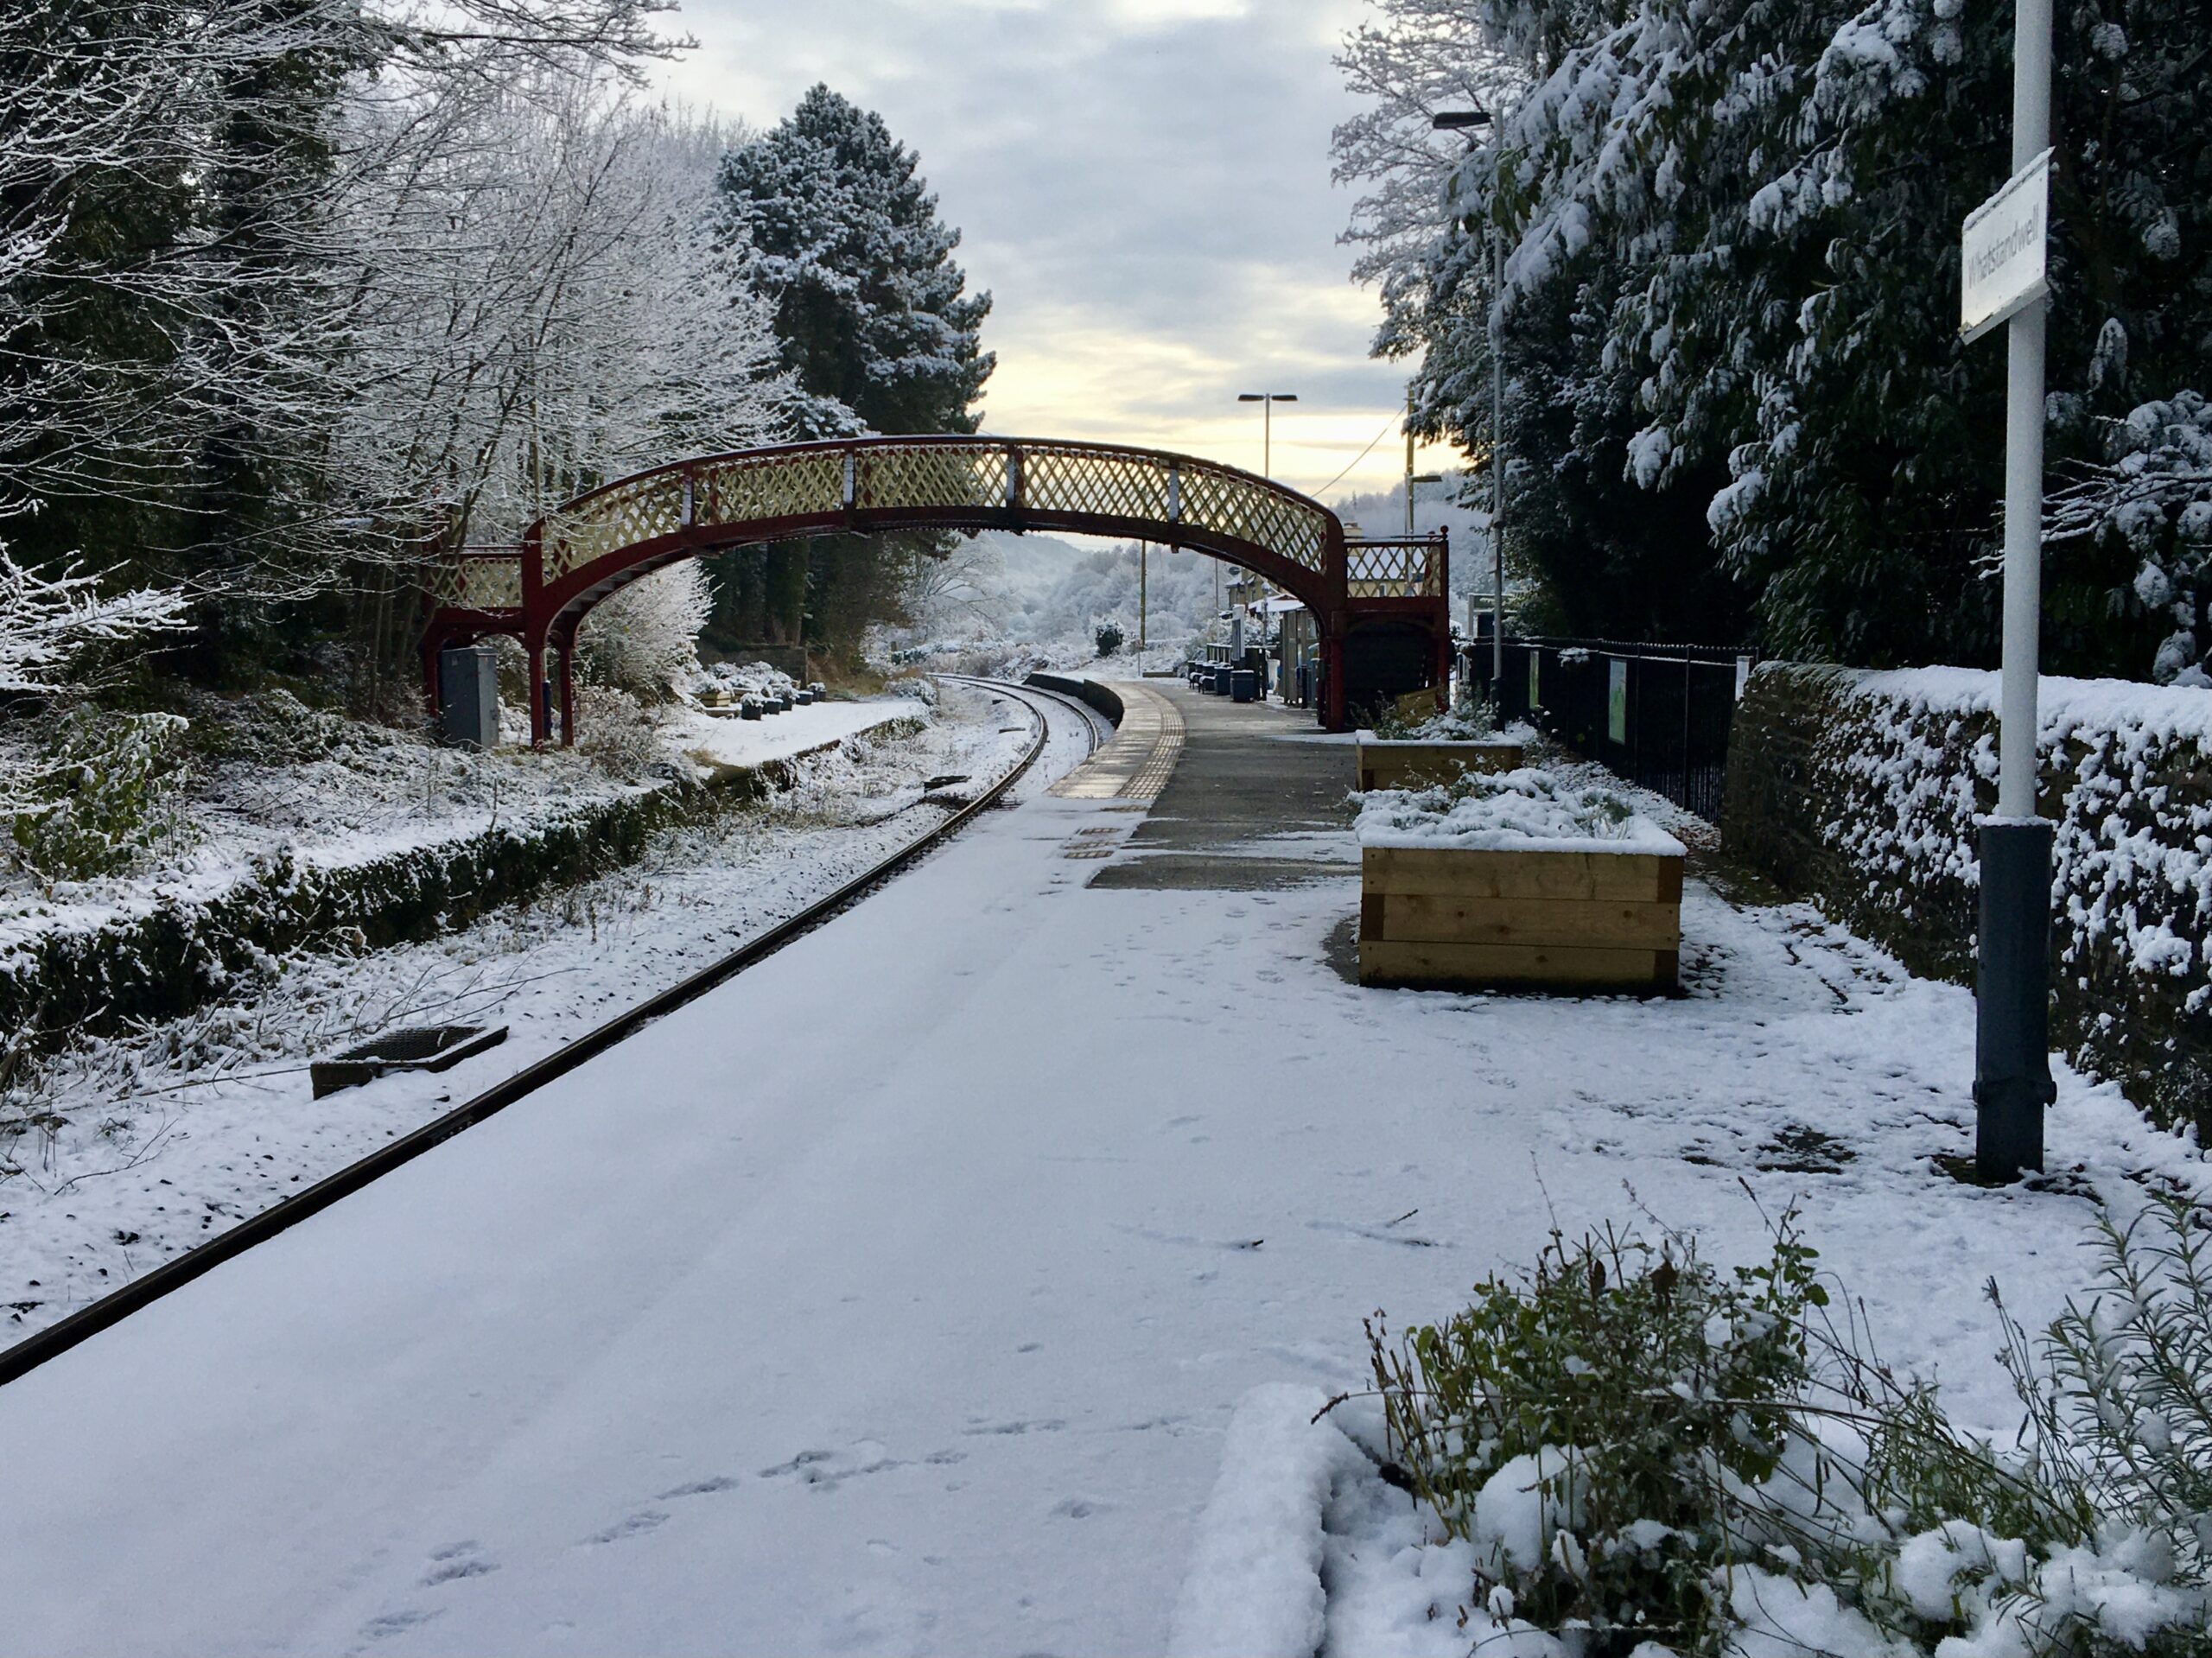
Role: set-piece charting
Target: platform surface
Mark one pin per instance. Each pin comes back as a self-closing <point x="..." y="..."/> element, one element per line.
<point x="894" y="1296"/>
<point x="1263" y="801"/>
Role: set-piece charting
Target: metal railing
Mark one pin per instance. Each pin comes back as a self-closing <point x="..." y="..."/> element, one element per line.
<point x="1409" y="566"/>
<point x="1658" y="715"/>
<point x="978" y="475"/>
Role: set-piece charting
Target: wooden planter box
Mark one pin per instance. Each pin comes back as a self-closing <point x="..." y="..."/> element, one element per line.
<point x="1460" y="919"/>
<point x="1386" y="765"/>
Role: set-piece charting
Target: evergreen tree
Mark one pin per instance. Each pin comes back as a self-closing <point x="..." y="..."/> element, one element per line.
<point x="1732" y="293"/>
<point x="875" y="325"/>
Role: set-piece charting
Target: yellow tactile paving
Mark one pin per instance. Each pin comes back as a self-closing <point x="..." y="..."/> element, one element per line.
<point x="1137" y="761"/>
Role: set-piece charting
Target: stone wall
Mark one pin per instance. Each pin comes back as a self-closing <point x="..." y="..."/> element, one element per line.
<point x="1861" y="790"/>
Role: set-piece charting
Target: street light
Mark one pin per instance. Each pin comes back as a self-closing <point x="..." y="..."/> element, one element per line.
<point x="1410" y="480"/>
<point x="1267" y="400"/>
<point x="1470" y="121"/>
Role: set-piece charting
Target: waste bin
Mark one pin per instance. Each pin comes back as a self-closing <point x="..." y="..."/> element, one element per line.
<point x="1243" y="685"/>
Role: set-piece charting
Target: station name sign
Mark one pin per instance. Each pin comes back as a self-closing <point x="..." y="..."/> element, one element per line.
<point x="2001" y="250"/>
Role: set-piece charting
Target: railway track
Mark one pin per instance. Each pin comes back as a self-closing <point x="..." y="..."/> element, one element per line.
<point x="174" y="1274"/>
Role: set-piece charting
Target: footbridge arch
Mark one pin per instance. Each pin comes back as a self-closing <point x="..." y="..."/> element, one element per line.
<point x="1382" y="601"/>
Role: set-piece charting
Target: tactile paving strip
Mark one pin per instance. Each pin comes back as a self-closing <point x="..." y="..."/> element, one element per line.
<point x="1137" y="761"/>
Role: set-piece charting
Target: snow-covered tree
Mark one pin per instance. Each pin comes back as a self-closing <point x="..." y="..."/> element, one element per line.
<point x="840" y="235"/>
<point x="844" y="241"/>
<point x="188" y="311"/>
<point x="1415" y="59"/>
<point x="1731" y="304"/>
<point x="2150" y="504"/>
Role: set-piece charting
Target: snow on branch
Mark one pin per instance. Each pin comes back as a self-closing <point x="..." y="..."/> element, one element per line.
<point x="50" y="627"/>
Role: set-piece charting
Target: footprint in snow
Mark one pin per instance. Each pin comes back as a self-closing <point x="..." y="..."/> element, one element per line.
<point x="458" y="1560"/>
<point x="634" y="1525"/>
<point x="391" y="1623"/>
<point x="699" y="1488"/>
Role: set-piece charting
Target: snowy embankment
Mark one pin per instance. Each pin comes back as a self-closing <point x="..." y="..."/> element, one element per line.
<point x="367" y="836"/>
<point x="1863" y="789"/>
<point x="157" y="1138"/>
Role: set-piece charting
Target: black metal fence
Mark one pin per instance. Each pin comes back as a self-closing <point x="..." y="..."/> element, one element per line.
<point x="1658" y="715"/>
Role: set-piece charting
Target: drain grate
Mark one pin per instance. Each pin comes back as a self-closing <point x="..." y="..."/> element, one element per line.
<point x="427" y="1047"/>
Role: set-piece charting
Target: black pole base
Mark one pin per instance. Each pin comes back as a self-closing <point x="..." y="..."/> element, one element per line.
<point x="2012" y="1086"/>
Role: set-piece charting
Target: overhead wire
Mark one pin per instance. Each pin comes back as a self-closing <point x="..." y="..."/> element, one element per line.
<point x="1357" y="459"/>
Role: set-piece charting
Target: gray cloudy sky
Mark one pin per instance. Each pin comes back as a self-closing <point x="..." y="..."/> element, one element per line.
<point x="1143" y="185"/>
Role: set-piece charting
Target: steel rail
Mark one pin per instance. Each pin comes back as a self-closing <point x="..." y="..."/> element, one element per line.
<point x="172" y="1275"/>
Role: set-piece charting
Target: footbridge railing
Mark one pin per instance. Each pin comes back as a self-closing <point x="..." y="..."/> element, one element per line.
<point x="591" y="547"/>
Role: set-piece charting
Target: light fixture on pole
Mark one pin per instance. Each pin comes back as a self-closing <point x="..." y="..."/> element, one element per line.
<point x="1470" y="121"/>
<point x="2002" y="281"/>
<point x="1267" y="400"/>
<point x="1412" y="477"/>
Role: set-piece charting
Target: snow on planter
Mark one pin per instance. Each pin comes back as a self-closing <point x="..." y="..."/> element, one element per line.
<point x="1403" y="762"/>
<point x="1516" y="880"/>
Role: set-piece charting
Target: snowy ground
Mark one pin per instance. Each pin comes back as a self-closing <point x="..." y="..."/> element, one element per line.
<point x="897" y="1295"/>
<point x="159" y="1142"/>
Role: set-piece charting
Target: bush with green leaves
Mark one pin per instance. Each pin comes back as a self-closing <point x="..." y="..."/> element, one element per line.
<point x="106" y="791"/>
<point x="1648" y="1452"/>
<point x="1109" y="638"/>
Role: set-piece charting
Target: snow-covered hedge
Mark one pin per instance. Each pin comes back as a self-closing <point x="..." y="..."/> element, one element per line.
<point x="1861" y="789"/>
<point x="176" y="947"/>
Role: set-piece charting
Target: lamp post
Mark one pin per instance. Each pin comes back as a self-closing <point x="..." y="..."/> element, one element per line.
<point x="1412" y="477"/>
<point x="1470" y="121"/>
<point x="1267" y="400"/>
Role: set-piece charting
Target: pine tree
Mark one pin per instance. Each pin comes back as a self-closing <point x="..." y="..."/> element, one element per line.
<point x="872" y="317"/>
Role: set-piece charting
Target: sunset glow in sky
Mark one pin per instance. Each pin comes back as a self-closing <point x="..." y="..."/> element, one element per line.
<point x="1143" y="185"/>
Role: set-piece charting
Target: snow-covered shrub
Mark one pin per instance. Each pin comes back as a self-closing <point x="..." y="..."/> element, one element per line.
<point x="1576" y="1421"/>
<point x="616" y="734"/>
<point x="1529" y="808"/>
<point x="1642" y="1449"/>
<point x="1108" y="637"/>
<point x="1470" y="719"/>
<point x="109" y="791"/>
<point x="644" y="639"/>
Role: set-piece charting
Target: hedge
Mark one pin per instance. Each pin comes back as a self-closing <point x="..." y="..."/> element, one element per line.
<point x="1859" y="790"/>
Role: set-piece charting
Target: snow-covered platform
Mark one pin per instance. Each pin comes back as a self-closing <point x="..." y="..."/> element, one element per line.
<point x="895" y="1296"/>
<point x="1261" y="799"/>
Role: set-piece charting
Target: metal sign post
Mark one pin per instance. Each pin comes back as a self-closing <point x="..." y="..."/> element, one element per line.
<point x="2002" y="281"/>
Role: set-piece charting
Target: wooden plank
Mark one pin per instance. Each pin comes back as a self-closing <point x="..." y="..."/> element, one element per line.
<point x="1395" y="766"/>
<point x="1620" y="924"/>
<point x="1461" y="873"/>
<point x="1479" y="966"/>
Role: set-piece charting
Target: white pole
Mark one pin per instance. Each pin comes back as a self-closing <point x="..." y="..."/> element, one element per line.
<point x="2012" y="1083"/>
<point x="2024" y="422"/>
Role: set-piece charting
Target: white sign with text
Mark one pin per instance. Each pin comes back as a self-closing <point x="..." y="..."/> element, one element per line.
<point x="2001" y="250"/>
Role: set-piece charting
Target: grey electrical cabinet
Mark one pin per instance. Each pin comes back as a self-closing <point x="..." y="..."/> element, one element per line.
<point x="469" y="696"/>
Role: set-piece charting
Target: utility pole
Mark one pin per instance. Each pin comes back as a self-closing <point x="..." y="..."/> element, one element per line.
<point x="1144" y="603"/>
<point x="2002" y="258"/>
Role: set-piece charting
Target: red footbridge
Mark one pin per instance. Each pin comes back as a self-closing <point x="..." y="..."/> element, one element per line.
<point x="1379" y="607"/>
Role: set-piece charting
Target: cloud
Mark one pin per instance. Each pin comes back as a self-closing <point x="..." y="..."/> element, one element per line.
<point x="1143" y="185"/>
